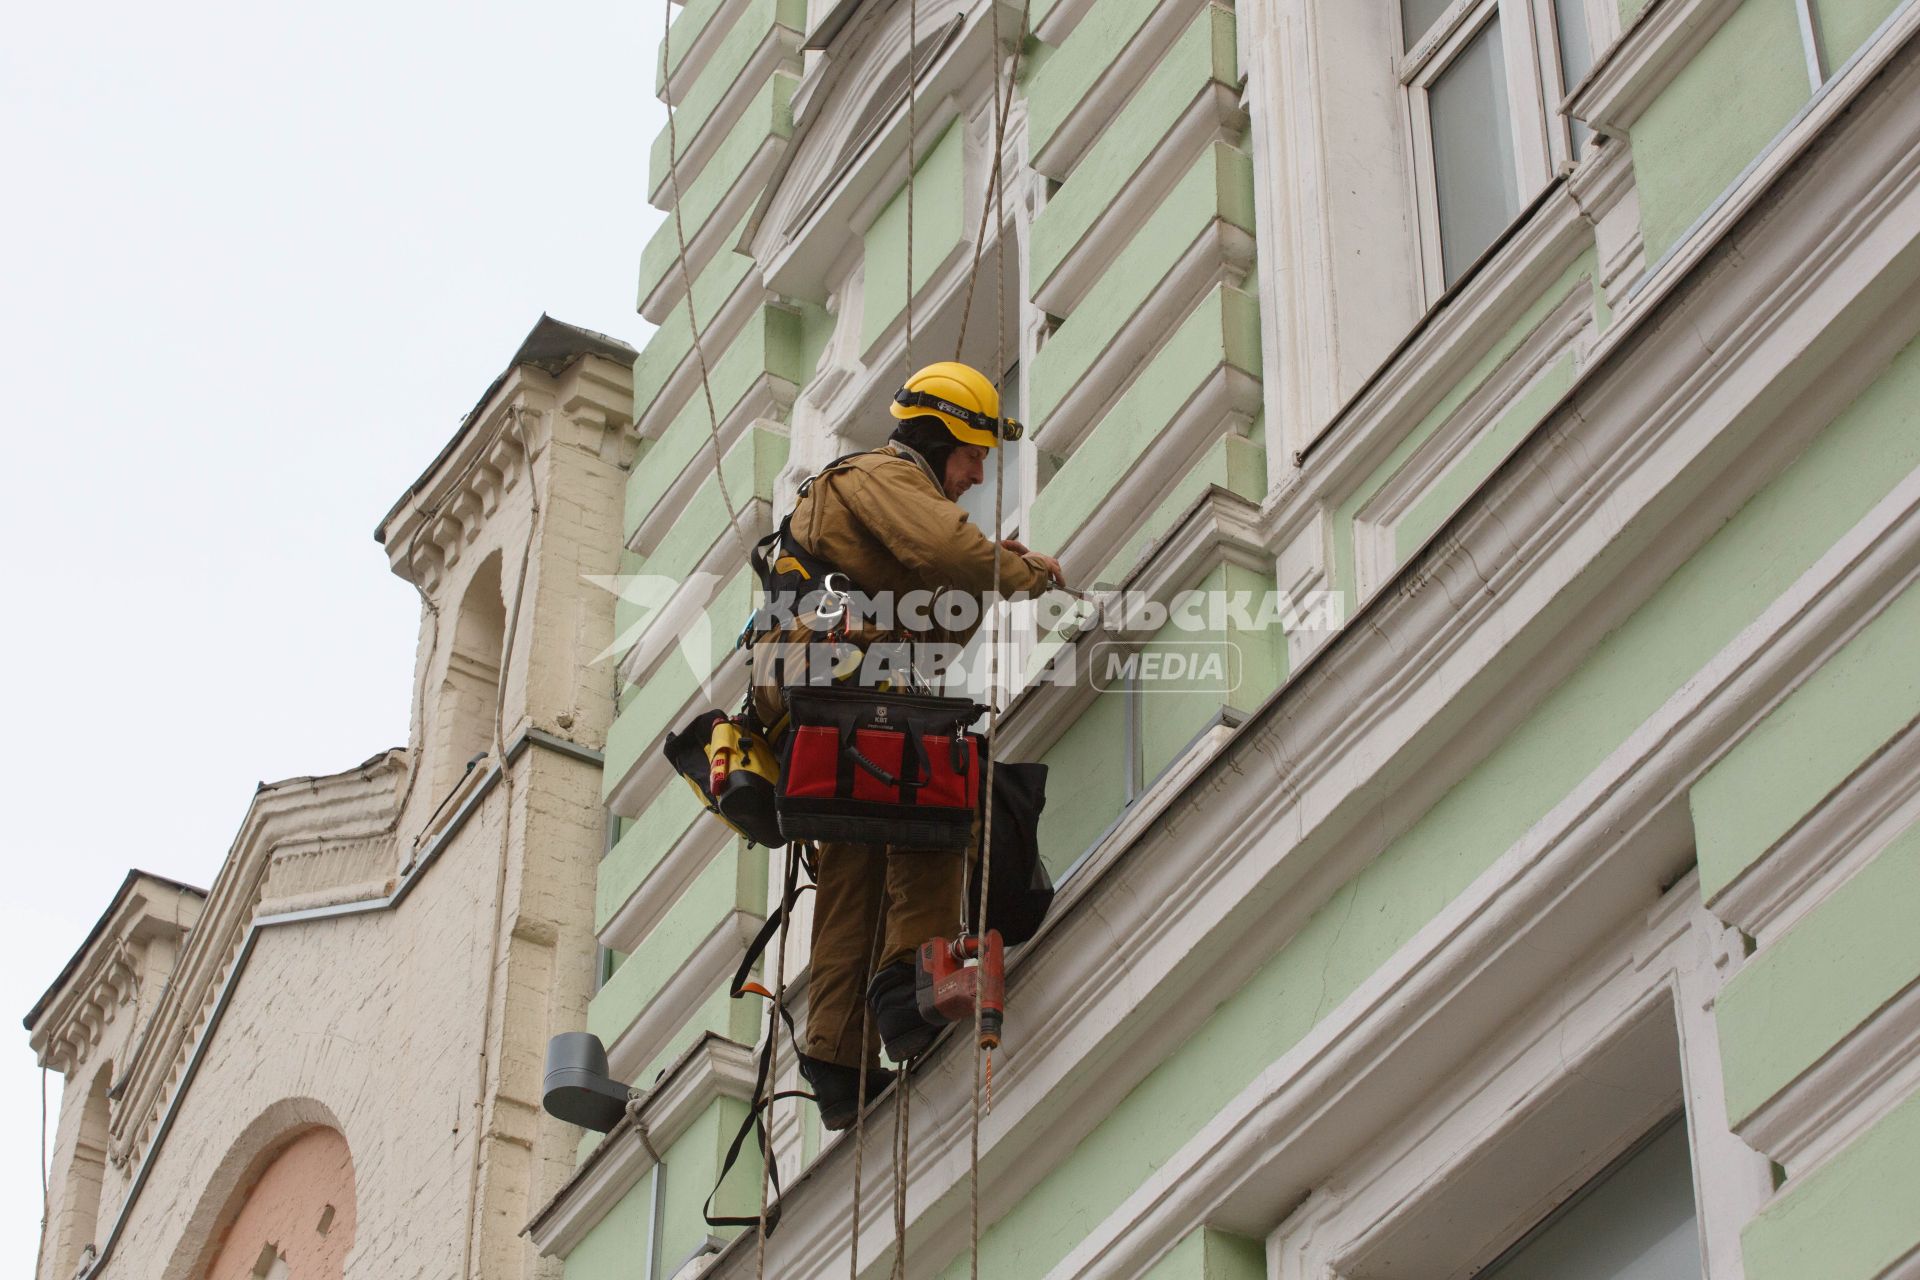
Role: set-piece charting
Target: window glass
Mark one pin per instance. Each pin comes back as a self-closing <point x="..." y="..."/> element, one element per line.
<point x="1633" y="1222"/>
<point x="1472" y="152"/>
<point x="1576" y="57"/>
<point x="1418" y="16"/>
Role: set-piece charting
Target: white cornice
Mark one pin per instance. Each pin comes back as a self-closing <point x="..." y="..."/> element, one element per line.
<point x="1843" y="833"/>
<point x="1873" y="1069"/>
<point x="1648" y="56"/>
<point x="714" y="1068"/>
<point x="75" y="1013"/>
<point x="667" y="631"/>
<point x="1214" y="115"/>
<point x="677" y="869"/>
<point x="696" y="50"/>
<point x="633" y="791"/>
<point x="1220" y="254"/>
<point x="359" y="804"/>
<point x="706" y="239"/>
<point x="717" y="334"/>
<point x="777" y="48"/>
<point x="692" y="984"/>
<point x="1439" y="354"/>
<point x="1567" y="539"/>
<point x="760" y="407"/>
<point x="1220" y="526"/>
<point x="1103" y="99"/>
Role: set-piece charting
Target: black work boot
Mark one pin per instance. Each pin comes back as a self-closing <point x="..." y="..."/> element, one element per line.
<point x="896" y="1013"/>
<point x="835" y="1087"/>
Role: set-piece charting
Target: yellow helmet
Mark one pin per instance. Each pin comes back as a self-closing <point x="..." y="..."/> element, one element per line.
<point x="962" y="398"/>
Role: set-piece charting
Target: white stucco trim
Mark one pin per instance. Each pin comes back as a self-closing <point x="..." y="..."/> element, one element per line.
<point x="703" y="972"/>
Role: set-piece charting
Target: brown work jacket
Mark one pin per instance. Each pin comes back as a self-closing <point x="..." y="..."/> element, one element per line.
<point x="883" y="519"/>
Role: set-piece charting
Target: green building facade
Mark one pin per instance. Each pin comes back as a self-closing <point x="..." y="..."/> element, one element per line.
<point x="1522" y="397"/>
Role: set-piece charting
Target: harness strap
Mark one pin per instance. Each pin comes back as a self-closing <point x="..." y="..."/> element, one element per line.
<point x="761" y="1106"/>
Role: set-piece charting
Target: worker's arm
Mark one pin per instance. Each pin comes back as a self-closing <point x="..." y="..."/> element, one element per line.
<point x="931" y="535"/>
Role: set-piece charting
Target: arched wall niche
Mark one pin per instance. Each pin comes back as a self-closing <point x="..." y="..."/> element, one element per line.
<point x="79" y="1224"/>
<point x="281" y="1204"/>
<point x="470" y="688"/>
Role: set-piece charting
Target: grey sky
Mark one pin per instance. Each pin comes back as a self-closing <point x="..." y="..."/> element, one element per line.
<point x="258" y="260"/>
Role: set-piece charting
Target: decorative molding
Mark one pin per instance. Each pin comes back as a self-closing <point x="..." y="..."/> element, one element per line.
<point x="633" y="791"/>
<point x="1449" y="341"/>
<point x="1376" y="522"/>
<point x="1220" y="526"/>
<point x="1214" y="115"/>
<point x="703" y="972"/>
<point x="662" y="634"/>
<point x="762" y="406"/>
<point x="1655" y="49"/>
<point x="1221" y="254"/>
<point x="1844" y="832"/>
<point x="704" y="241"/>
<point x="662" y="886"/>
<point x="1604" y="188"/>
<point x="1834" y="100"/>
<point x="717" y="334"/>
<point x="1874" y="1069"/>
<point x="778" y="48"/>
<point x="696" y="51"/>
<point x="841" y="162"/>
<point x="1222" y="405"/>
<point x="109" y="970"/>
<point x="1103" y="99"/>
<point x="360" y="804"/>
<point x="712" y="1069"/>
<point x="1534" y="1113"/>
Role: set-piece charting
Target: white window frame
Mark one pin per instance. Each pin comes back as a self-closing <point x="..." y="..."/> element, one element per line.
<point x="1542" y="135"/>
<point x="1648" y="992"/>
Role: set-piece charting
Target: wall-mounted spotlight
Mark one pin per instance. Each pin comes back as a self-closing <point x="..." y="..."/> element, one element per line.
<point x="577" y="1088"/>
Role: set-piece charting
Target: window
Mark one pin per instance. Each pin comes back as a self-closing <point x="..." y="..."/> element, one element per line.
<point x="1636" y="1219"/>
<point x="969" y="676"/>
<point x="1585" y="1139"/>
<point x="1485" y="79"/>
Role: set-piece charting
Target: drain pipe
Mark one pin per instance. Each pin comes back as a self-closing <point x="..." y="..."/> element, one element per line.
<point x="656" y="1200"/>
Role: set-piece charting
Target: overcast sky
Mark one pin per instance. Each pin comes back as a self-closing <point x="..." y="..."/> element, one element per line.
<point x="258" y="261"/>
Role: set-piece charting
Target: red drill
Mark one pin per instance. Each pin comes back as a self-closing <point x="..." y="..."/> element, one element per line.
<point x="944" y="982"/>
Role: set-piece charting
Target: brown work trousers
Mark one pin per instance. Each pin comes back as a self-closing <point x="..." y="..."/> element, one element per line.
<point x="873" y="904"/>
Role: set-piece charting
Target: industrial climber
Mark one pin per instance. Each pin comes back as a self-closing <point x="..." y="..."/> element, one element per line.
<point x="888" y="523"/>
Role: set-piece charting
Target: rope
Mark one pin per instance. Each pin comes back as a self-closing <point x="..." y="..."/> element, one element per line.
<point x="903" y="1130"/>
<point x="913" y="93"/>
<point x="769" y="1154"/>
<point x="686" y="285"/>
<point x="860" y="1116"/>
<point x="982" y="1059"/>
<point x="1002" y="106"/>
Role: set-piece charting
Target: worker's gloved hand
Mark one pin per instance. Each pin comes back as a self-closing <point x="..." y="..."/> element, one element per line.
<point x="1045" y="561"/>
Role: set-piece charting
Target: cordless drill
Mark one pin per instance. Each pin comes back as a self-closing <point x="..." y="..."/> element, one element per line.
<point x="944" y="982"/>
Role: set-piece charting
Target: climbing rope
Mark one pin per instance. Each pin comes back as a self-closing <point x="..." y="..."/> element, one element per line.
<point x="983" y="1056"/>
<point x="903" y="1132"/>
<point x="686" y="285"/>
<point x="1002" y="107"/>
<point x="913" y="94"/>
<point x="770" y="1156"/>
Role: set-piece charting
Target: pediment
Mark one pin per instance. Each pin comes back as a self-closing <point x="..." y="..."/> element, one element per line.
<point x="848" y="154"/>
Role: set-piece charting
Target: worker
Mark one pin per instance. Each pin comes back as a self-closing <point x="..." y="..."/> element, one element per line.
<point x="890" y="522"/>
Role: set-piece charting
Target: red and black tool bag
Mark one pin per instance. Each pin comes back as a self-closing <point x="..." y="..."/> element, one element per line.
<point x="864" y="767"/>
